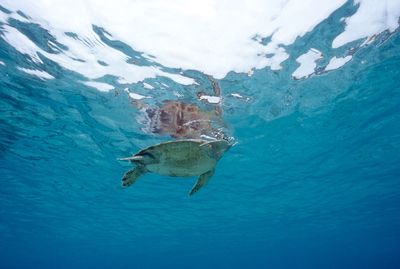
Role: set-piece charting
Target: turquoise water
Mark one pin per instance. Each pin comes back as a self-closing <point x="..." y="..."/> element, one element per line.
<point x="313" y="180"/>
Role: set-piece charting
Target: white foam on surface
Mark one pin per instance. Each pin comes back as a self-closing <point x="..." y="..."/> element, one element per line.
<point x="147" y="86"/>
<point x="237" y="95"/>
<point x="190" y="34"/>
<point x="84" y="59"/>
<point x="137" y="96"/>
<point x="307" y="64"/>
<point x="2" y="63"/>
<point x="101" y="86"/>
<point x="38" y="73"/>
<point x="296" y="18"/>
<point x="371" y="18"/>
<point x="21" y="43"/>
<point x="211" y="99"/>
<point x="177" y="94"/>
<point x="336" y="63"/>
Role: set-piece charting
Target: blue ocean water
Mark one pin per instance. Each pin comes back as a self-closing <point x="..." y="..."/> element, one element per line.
<point x="313" y="180"/>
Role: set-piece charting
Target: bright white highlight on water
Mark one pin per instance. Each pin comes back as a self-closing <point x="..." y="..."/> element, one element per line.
<point x="38" y="73"/>
<point x="335" y="62"/>
<point x="21" y="43"/>
<point x="236" y="95"/>
<point x="214" y="37"/>
<point x="147" y="86"/>
<point x="135" y="95"/>
<point x="2" y="63"/>
<point x="101" y="86"/>
<point x="371" y="18"/>
<point x="307" y="63"/>
<point x="211" y="99"/>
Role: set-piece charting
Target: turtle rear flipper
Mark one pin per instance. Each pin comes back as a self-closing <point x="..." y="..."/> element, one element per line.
<point x="201" y="181"/>
<point x="132" y="175"/>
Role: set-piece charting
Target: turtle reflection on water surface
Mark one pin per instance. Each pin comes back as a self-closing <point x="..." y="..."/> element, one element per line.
<point x="183" y="120"/>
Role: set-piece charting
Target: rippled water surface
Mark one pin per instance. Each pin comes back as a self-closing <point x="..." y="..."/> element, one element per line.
<point x="313" y="180"/>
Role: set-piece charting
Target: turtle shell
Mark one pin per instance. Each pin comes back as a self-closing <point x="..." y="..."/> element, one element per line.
<point x="183" y="158"/>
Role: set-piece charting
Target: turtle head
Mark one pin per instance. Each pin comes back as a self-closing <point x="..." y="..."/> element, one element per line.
<point x="145" y="157"/>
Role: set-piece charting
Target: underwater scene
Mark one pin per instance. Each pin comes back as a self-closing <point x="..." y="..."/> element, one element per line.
<point x="199" y="134"/>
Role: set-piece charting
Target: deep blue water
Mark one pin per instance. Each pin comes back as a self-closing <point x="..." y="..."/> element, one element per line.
<point x="313" y="181"/>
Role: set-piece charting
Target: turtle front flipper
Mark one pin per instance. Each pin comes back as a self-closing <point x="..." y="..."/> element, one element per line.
<point x="132" y="175"/>
<point x="201" y="181"/>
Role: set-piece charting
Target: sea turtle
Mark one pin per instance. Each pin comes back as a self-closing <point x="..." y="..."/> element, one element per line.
<point x="181" y="158"/>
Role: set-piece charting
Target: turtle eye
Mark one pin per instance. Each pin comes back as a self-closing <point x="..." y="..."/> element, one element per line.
<point x="147" y="155"/>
